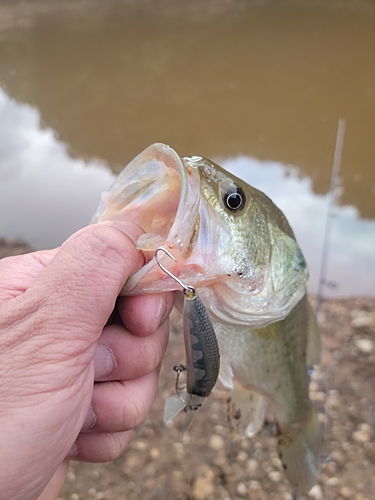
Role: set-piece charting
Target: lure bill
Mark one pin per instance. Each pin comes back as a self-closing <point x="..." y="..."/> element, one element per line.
<point x="202" y="352"/>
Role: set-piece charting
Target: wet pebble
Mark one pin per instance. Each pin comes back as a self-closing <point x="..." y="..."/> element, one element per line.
<point x="346" y="492"/>
<point x="360" y="437"/>
<point x="216" y="442"/>
<point x="179" y="450"/>
<point x="362" y="434"/>
<point x="276" y="462"/>
<point x="318" y="396"/>
<point x="332" y="481"/>
<point x="252" y="466"/>
<point x="203" y="487"/>
<point x="132" y="462"/>
<point x="287" y="496"/>
<point x="70" y="477"/>
<point x="365" y="345"/>
<point x="154" y="453"/>
<point x="140" y="445"/>
<point x="275" y="476"/>
<point x="361" y="321"/>
<point x="241" y="489"/>
<point x="242" y="456"/>
<point x="254" y="485"/>
<point x="220" y="429"/>
<point x="220" y="461"/>
<point x="338" y="456"/>
<point x="316" y="492"/>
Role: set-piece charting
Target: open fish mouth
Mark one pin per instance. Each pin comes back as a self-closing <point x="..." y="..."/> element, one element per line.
<point x="228" y="239"/>
<point x="158" y="192"/>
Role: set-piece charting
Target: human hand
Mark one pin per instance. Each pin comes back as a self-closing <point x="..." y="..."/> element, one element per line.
<point x="55" y="341"/>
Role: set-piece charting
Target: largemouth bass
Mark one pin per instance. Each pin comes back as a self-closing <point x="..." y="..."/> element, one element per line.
<point x="236" y="248"/>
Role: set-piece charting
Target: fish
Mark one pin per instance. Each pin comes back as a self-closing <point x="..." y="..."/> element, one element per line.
<point x="236" y="248"/>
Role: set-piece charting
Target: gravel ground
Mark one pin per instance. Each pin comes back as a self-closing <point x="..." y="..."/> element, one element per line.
<point x="208" y="463"/>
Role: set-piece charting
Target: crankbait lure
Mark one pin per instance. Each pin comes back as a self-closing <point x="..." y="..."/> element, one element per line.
<point x="202" y="352"/>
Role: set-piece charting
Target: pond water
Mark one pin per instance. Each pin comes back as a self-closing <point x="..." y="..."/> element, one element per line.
<point x="258" y="87"/>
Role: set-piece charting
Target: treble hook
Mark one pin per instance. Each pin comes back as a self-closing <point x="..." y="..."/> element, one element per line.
<point x="188" y="289"/>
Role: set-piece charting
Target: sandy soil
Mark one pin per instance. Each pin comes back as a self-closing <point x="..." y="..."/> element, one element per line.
<point x="209" y="463"/>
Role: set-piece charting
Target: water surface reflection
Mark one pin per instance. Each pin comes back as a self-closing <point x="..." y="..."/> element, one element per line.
<point x="266" y="79"/>
<point x="45" y="195"/>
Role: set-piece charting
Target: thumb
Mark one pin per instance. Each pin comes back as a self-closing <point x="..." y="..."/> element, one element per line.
<point x="79" y="287"/>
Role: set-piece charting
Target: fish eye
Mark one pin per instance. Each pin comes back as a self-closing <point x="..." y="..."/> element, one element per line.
<point x="234" y="199"/>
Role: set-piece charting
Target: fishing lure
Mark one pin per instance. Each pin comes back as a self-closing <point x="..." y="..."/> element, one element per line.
<point x="202" y="352"/>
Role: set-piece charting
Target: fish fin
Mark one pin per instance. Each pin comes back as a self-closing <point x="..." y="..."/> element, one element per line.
<point x="226" y="373"/>
<point x="314" y="344"/>
<point x="246" y="410"/>
<point x="299" y="450"/>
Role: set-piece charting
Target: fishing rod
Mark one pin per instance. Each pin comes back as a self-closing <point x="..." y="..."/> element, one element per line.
<point x="329" y="218"/>
<point x="335" y="171"/>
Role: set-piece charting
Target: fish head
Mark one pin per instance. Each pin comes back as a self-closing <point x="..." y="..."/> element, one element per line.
<point x="229" y="241"/>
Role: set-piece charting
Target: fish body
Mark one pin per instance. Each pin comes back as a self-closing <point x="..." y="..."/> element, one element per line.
<point x="236" y="248"/>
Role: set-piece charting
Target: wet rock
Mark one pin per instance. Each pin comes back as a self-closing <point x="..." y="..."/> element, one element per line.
<point x="254" y="485"/>
<point x="140" y="445"/>
<point x="203" y="487"/>
<point x="361" y="321"/>
<point x="346" y="492"/>
<point x="179" y="450"/>
<point x="274" y="476"/>
<point x="154" y="453"/>
<point x="332" y="481"/>
<point x="287" y="496"/>
<point x="252" y="466"/>
<point x="241" y="489"/>
<point x="316" y="492"/>
<point x="338" y="456"/>
<point x="216" y="442"/>
<point x="362" y="434"/>
<point x="242" y="456"/>
<point x="70" y="477"/>
<point x="365" y="345"/>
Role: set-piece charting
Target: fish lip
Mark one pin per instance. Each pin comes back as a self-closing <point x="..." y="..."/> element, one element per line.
<point x="180" y="239"/>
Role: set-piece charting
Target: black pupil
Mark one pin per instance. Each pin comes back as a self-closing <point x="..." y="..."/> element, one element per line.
<point x="235" y="199"/>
